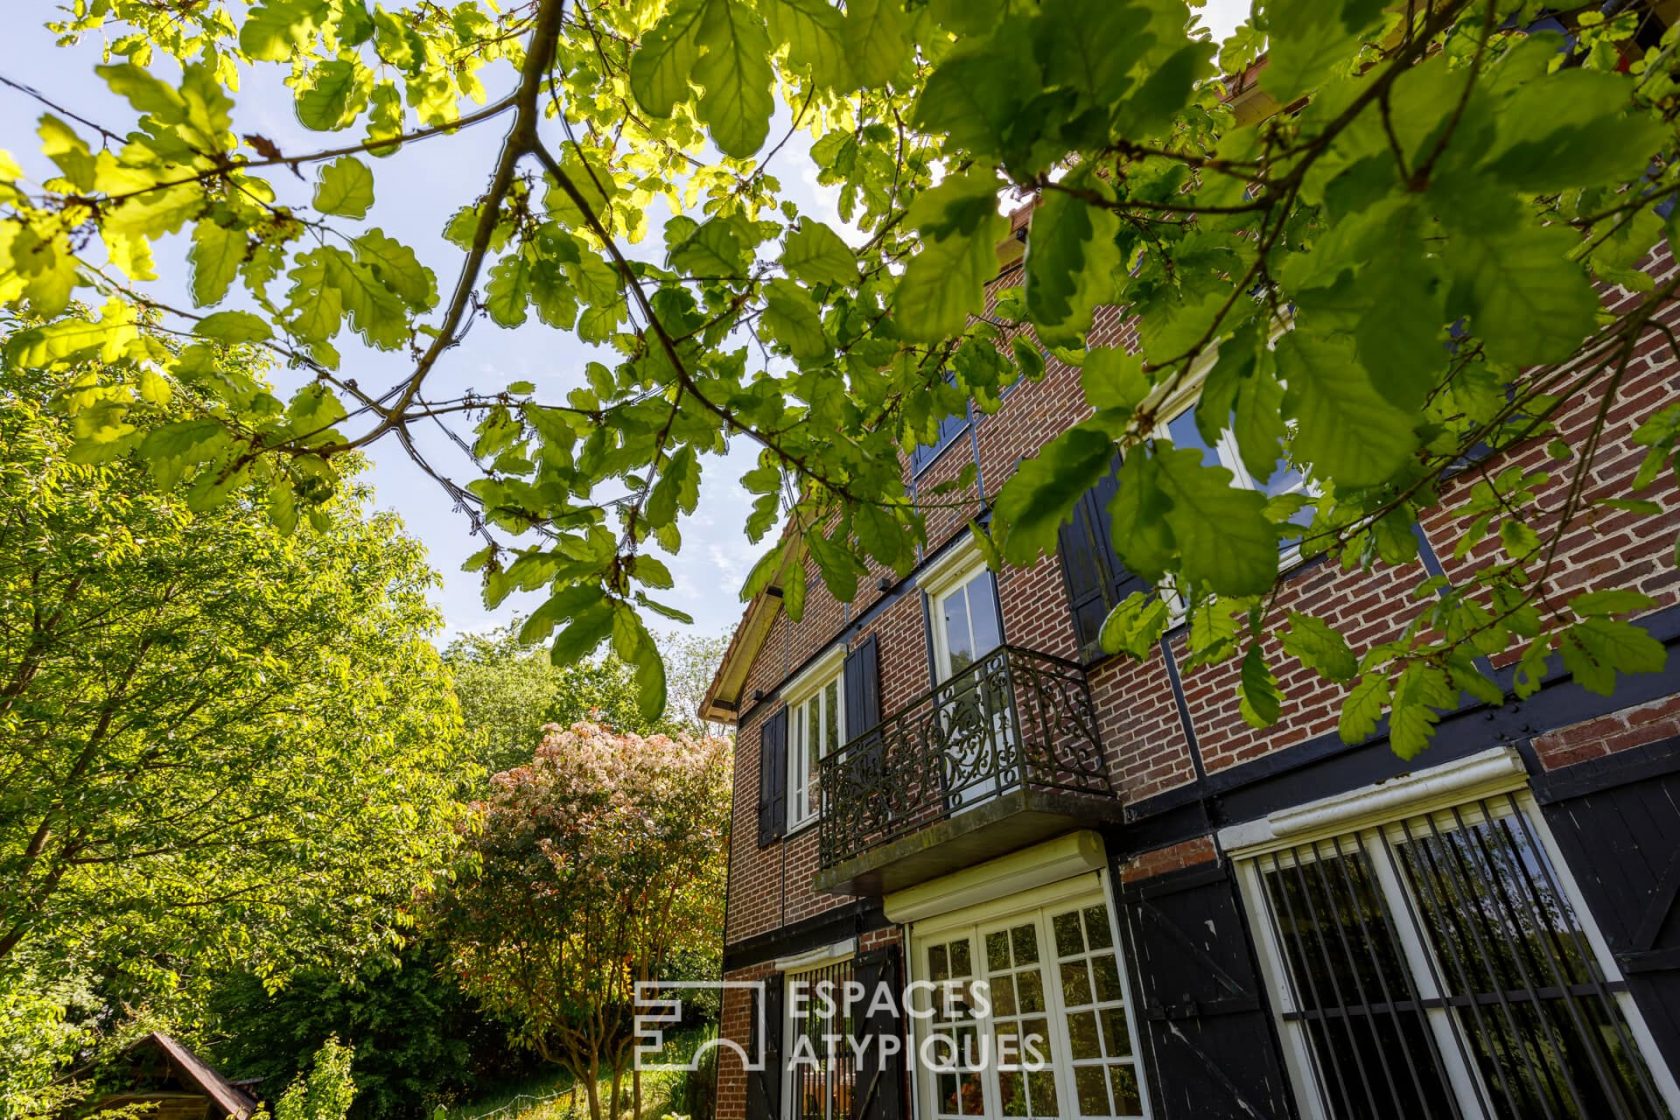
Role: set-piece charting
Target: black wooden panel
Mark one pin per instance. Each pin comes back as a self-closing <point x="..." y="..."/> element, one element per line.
<point x="1212" y="1048"/>
<point x="863" y="687"/>
<point x="764" y="1085"/>
<point x="1096" y="579"/>
<point x="772" y="778"/>
<point x="879" y="1094"/>
<point x="1622" y="843"/>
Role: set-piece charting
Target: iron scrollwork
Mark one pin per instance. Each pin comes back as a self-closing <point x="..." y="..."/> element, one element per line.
<point x="1013" y="719"/>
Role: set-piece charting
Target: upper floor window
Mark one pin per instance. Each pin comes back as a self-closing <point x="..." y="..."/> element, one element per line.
<point x="816" y="727"/>
<point x="950" y="428"/>
<point x="1097" y="580"/>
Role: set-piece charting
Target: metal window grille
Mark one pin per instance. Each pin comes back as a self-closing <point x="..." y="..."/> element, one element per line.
<point x="1436" y="966"/>
<point x="821" y="1060"/>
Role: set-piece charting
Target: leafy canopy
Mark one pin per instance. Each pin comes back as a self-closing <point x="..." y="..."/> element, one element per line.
<point x="1423" y="226"/>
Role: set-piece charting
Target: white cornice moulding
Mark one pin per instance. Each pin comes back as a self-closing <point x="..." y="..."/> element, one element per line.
<point x="1046" y="863"/>
<point x="1495" y="771"/>
<point x="815" y="675"/>
<point x="951" y="565"/>
<point x="814" y="958"/>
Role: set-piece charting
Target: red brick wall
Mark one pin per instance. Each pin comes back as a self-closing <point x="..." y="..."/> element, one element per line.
<point x="1144" y="737"/>
<point x="1637" y="726"/>
<point x="1175" y="857"/>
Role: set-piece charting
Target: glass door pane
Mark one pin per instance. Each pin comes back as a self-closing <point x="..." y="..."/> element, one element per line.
<point x="974" y="702"/>
<point x="1024" y="1054"/>
<point x="951" y="1051"/>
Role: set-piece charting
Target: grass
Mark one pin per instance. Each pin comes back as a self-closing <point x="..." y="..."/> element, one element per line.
<point x="549" y="1095"/>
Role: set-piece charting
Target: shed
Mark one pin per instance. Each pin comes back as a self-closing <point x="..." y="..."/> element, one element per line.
<point x="157" y="1070"/>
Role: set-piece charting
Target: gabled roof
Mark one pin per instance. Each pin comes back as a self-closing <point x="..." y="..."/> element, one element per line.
<point x="192" y="1068"/>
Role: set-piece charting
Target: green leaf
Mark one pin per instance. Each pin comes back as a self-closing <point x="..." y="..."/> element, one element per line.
<point x="876" y="36"/>
<point x="1039" y="496"/>
<point x="1596" y="649"/>
<point x="1609" y="601"/>
<point x="583" y="635"/>
<point x="1362" y="710"/>
<point x="734" y="72"/>
<point x="712" y="250"/>
<point x="395" y="265"/>
<point x="275" y="30"/>
<point x="791" y="318"/>
<point x="944" y="283"/>
<point x="1261" y="702"/>
<point x="1093" y="45"/>
<point x="1527" y="301"/>
<point x="1071" y="258"/>
<point x="1310" y="41"/>
<point x="1134" y="625"/>
<point x="963" y="100"/>
<point x="662" y="65"/>
<point x="345" y="189"/>
<point x="216" y="255"/>
<point x="678" y="487"/>
<point x="1346" y="430"/>
<point x="1224" y="539"/>
<point x="814" y="31"/>
<point x="1574" y="128"/>
<point x="336" y="95"/>
<point x="815" y="254"/>
<point x="508" y="290"/>
<point x="1317" y="645"/>
<point x="233" y="326"/>
<point x="1420" y="695"/>
<point x="1113" y="379"/>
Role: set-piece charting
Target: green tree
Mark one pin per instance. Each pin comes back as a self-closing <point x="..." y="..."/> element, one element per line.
<point x="326" y="1092"/>
<point x="221" y="745"/>
<point x="592" y="867"/>
<point x="510" y="690"/>
<point x="1420" y="238"/>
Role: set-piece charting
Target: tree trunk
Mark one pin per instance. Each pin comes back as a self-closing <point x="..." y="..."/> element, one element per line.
<point x="592" y="1090"/>
<point x="636" y="1091"/>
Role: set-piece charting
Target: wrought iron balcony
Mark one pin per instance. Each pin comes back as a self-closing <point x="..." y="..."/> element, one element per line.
<point x="1004" y="753"/>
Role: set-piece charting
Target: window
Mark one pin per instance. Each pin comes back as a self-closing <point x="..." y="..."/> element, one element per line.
<point x="1437" y="965"/>
<point x="819" y="1054"/>
<point x="973" y="703"/>
<point x="923" y="454"/>
<point x="1027" y="1015"/>
<point x="816" y="727"/>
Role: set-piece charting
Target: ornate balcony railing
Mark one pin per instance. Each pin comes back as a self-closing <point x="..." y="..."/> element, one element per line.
<point x="1013" y="720"/>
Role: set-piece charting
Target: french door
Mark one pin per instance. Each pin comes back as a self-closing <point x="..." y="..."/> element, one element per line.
<point x="1027" y="1017"/>
<point x="973" y="712"/>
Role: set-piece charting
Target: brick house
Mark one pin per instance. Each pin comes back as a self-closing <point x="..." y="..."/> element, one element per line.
<point x="945" y="782"/>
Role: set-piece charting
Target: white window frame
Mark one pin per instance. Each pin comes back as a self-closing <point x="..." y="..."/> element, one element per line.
<point x="808" y="688"/>
<point x="951" y="572"/>
<point x="1082" y="891"/>
<point x="1372" y="816"/>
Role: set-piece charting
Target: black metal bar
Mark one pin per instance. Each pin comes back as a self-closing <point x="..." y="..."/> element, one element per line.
<point x="1282" y="892"/>
<point x="1466" y="891"/>
<point x="1344" y="863"/>
<point x="1421" y="877"/>
<point x="1589" y="959"/>
<point x="1523" y="949"/>
<point x="1326" y="953"/>
<point x="1012" y="719"/>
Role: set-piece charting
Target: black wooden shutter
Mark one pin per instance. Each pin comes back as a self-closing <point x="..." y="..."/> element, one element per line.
<point x="1212" y="1047"/>
<point x="772" y="778"/>
<point x="1096" y="580"/>
<point x="1615" y="821"/>
<point x="863" y="688"/>
<point x="880" y="1065"/>
<point x="764" y="1085"/>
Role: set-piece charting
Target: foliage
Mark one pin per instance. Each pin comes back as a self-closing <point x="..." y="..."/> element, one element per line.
<point x="326" y="1091"/>
<point x="418" y="1038"/>
<point x="221" y="745"/>
<point x="1394" y="274"/>
<point x="510" y="690"/>
<point x="590" y="869"/>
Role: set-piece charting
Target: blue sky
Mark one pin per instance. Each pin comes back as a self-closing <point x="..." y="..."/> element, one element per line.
<point x="416" y="191"/>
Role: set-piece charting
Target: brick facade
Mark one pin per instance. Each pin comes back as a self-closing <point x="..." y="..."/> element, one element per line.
<point x="1157" y="740"/>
